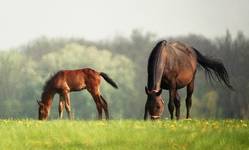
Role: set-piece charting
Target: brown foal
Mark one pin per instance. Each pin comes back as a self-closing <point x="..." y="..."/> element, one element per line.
<point x="66" y="81"/>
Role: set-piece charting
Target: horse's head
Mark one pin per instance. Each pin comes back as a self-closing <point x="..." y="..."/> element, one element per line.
<point x="155" y="103"/>
<point x="42" y="111"/>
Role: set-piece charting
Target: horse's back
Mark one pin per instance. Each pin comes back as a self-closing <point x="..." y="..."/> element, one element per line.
<point x="181" y="63"/>
<point x="181" y="54"/>
<point x="181" y="49"/>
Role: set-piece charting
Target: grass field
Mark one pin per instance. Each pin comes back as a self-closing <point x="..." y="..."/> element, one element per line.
<point x="124" y="134"/>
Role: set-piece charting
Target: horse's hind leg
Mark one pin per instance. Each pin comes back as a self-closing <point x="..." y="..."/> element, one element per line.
<point x="190" y="89"/>
<point x="177" y="105"/>
<point x="105" y="106"/>
<point x="61" y="106"/>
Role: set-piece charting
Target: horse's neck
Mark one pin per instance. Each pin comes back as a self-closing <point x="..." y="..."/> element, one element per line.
<point x="156" y="69"/>
<point x="47" y="97"/>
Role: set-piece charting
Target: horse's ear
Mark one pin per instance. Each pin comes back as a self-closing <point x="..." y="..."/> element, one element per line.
<point x="146" y="90"/>
<point x="159" y="92"/>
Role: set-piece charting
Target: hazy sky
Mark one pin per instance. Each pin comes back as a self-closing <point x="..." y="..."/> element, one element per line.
<point x="24" y="20"/>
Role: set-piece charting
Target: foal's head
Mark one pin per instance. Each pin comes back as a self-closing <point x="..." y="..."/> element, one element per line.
<point x="155" y="103"/>
<point x="42" y="111"/>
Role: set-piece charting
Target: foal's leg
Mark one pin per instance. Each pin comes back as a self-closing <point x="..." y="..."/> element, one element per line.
<point x="177" y="105"/>
<point x="67" y="104"/>
<point x="190" y="89"/>
<point x="97" y="100"/>
<point x="61" y="106"/>
<point x="105" y="106"/>
<point x="172" y="95"/>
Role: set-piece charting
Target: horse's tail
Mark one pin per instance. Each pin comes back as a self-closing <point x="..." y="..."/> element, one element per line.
<point x="213" y="67"/>
<point x="109" y="80"/>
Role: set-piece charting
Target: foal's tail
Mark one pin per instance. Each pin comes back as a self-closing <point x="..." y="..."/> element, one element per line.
<point x="109" y="80"/>
<point x="214" y="67"/>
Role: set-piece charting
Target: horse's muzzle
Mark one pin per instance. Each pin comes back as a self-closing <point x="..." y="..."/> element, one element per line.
<point x="155" y="117"/>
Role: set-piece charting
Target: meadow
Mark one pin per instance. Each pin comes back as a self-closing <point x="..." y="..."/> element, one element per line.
<point x="124" y="134"/>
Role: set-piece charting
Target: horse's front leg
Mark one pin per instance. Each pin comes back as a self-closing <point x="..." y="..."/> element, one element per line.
<point x="172" y="95"/>
<point x="146" y="111"/>
<point x="177" y="105"/>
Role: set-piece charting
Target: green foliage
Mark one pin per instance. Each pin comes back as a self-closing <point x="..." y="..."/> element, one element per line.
<point x="124" y="134"/>
<point x="16" y="72"/>
<point x="74" y="56"/>
<point x="234" y="52"/>
<point x="206" y="104"/>
<point x="24" y="72"/>
<point x="23" y="79"/>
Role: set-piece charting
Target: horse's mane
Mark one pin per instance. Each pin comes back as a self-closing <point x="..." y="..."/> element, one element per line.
<point x="154" y="54"/>
<point x="153" y="62"/>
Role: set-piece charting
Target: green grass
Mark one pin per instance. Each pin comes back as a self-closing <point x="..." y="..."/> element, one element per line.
<point x="124" y="134"/>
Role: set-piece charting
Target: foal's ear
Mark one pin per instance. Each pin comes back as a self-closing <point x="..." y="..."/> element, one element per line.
<point x="146" y="90"/>
<point x="40" y="103"/>
<point x="159" y="92"/>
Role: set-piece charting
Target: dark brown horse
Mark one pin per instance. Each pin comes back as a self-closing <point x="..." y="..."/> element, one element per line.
<point x="66" y="81"/>
<point x="172" y="66"/>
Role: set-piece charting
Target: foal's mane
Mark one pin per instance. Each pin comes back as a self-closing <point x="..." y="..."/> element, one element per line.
<point x="49" y="81"/>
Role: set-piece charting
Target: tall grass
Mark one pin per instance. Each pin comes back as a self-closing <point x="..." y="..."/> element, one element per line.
<point x="124" y="134"/>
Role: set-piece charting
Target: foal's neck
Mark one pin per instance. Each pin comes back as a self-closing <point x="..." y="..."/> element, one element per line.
<point x="47" y="97"/>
